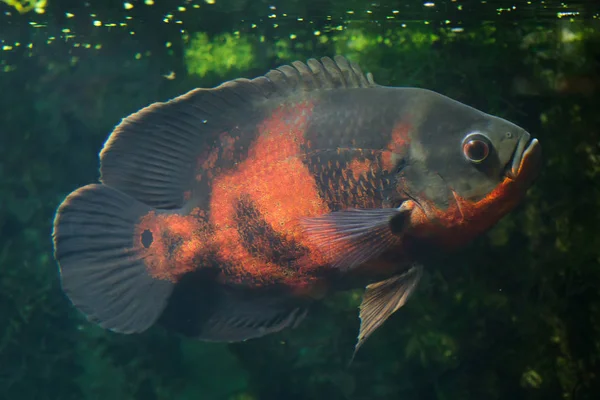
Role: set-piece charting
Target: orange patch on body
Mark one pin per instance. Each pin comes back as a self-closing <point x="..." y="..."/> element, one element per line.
<point x="210" y="160"/>
<point x="357" y="182"/>
<point x="223" y="150"/>
<point x="281" y="187"/>
<point x="227" y="146"/>
<point x="397" y="147"/>
<point x="360" y="168"/>
<point x="179" y="243"/>
<point x="206" y="163"/>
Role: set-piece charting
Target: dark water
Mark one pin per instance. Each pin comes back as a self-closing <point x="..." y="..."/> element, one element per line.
<point x="516" y="315"/>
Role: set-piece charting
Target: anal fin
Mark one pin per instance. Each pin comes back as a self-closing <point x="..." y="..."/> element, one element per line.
<point x="384" y="298"/>
<point x="206" y="310"/>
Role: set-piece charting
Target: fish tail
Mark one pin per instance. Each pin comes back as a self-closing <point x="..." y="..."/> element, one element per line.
<point x="101" y="259"/>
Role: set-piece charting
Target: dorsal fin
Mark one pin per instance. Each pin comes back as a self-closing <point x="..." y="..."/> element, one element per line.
<point x="151" y="154"/>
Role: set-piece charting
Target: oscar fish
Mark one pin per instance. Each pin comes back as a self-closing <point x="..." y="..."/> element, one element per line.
<point x="225" y="213"/>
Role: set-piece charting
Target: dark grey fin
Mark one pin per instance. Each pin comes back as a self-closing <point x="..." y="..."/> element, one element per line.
<point x="242" y="319"/>
<point x="384" y="298"/>
<point x="206" y="310"/>
<point x="101" y="271"/>
<point x="351" y="237"/>
<point x="151" y="155"/>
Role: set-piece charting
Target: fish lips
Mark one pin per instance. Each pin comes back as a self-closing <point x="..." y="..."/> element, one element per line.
<point x="526" y="160"/>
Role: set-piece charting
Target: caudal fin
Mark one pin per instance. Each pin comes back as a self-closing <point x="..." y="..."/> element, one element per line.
<point x="102" y="269"/>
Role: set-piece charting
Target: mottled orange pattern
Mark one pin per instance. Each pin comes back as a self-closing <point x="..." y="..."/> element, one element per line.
<point x="227" y="146"/>
<point x="178" y="243"/>
<point x="207" y="162"/>
<point x="360" y="168"/>
<point x="282" y="188"/>
<point x="397" y="146"/>
<point x="223" y="150"/>
<point x="275" y="178"/>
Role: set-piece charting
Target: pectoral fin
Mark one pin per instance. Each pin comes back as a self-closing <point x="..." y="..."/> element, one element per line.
<point x="353" y="236"/>
<point x="384" y="298"/>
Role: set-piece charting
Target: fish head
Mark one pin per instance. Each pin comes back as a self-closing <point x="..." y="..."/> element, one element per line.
<point x="464" y="171"/>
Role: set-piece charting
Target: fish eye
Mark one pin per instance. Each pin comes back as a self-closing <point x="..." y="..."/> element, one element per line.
<point x="476" y="148"/>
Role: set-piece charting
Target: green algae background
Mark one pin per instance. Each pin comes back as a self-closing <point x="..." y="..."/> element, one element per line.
<point x="516" y="315"/>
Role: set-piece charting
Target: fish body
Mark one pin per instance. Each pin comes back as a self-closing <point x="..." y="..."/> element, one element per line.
<point x="313" y="155"/>
<point x="226" y="212"/>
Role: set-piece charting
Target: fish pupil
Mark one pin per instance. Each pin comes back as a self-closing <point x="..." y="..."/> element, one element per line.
<point x="476" y="150"/>
<point x="147" y="238"/>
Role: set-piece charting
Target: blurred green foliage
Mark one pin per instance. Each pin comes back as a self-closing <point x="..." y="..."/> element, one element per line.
<point x="219" y="54"/>
<point x="515" y="315"/>
<point x="24" y="6"/>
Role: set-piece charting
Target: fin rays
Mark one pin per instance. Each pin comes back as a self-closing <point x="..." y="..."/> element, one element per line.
<point x="100" y="269"/>
<point x="384" y="298"/>
<point x="151" y="154"/>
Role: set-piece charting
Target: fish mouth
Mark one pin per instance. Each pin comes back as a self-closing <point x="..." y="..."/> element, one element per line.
<point x="525" y="160"/>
